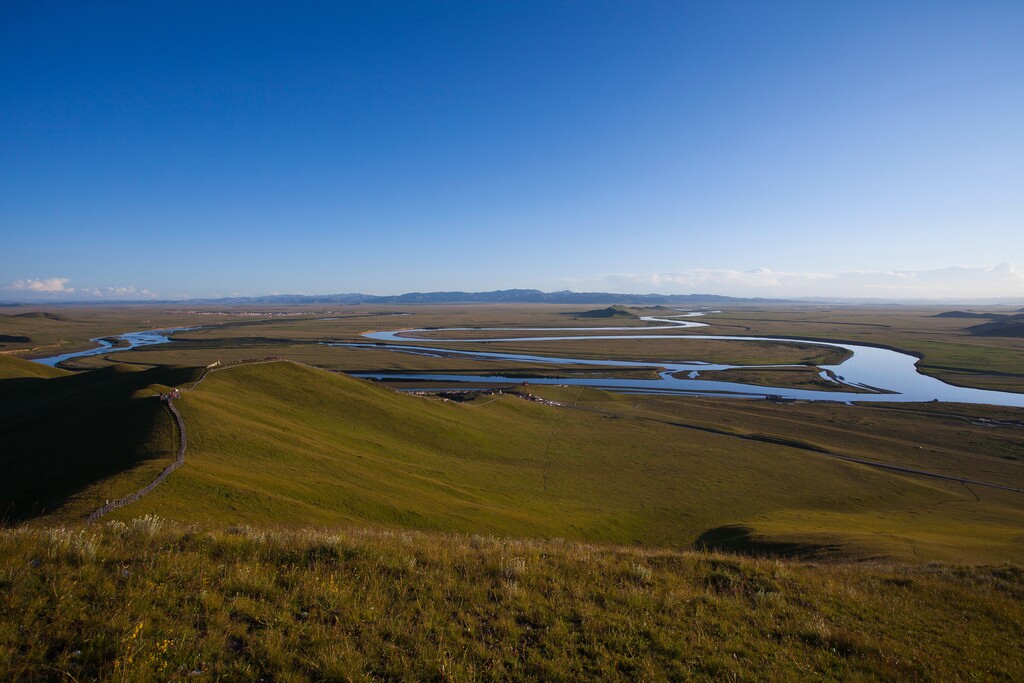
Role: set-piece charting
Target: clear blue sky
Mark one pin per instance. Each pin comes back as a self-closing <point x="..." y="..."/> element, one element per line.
<point x="201" y="149"/>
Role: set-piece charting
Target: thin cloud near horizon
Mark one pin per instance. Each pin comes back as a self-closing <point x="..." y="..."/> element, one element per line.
<point x="952" y="282"/>
<point x="1003" y="280"/>
<point x="55" y="288"/>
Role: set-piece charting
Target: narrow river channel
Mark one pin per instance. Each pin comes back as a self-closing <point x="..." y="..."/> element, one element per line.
<point x="131" y="341"/>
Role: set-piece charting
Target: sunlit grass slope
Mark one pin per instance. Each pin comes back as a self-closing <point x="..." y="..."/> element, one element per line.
<point x="12" y="367"/>
<point x="153" y="601"/>
<point x="280" y="443"/>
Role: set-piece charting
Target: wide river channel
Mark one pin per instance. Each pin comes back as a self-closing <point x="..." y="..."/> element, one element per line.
<point x="878" y="374"/>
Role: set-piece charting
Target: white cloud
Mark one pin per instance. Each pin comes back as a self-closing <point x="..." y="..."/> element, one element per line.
<point x="49" y="285"/>
<point x="54" y="287"/>
<point x="1003" y="280"/>
<point x="129" y="292"/>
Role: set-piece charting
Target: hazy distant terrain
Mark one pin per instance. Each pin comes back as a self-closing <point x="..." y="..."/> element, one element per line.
<point x="523" y="296"/>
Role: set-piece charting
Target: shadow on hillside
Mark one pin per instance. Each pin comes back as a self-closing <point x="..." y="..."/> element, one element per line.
<point x="742" y="540"/>
<point x="60" y="435"/>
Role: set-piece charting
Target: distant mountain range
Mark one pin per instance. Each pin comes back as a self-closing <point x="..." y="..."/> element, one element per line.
<point x="525" y="296"/>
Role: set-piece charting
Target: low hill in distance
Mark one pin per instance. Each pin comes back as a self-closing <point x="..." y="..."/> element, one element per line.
<point x="964" y="314"/>
<point x="610" y="312"/>
<point x="999" y="325"/>
<point x="1011" y="327"/>
<point x="534" y="296"/>
<point x="42" y="314"/>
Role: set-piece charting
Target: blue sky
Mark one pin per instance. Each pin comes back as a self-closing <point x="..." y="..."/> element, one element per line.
<point x="750" y="148"/>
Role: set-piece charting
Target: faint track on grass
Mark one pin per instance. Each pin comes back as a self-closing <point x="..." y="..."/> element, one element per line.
<point x="779" y="441"/>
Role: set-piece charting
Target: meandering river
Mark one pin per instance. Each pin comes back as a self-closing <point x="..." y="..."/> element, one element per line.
<point x="884" y="374"/>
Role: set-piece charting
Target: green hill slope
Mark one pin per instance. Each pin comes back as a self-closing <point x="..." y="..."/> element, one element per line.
<point x="285" y="444"/>
<point x="12" y="367"/>
<point x="281" y="443"/>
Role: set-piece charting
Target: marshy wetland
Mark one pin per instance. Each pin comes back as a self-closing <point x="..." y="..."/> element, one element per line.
<point x="820" y="368"/>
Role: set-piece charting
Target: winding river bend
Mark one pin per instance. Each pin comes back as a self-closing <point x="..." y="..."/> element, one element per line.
<point x="131" y="340"/>
<point x="884" y="374"/>
<point x="879" y="374"/>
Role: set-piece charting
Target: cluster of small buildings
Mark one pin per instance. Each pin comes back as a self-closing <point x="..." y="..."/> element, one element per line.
<point x="261" y="314"/>
<point x="535" y="399"/>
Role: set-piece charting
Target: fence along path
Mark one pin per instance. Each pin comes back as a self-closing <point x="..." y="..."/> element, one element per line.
<point x="178" y="462"/>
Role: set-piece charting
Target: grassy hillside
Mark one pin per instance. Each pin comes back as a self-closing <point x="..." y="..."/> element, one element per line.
<point x="62" y="435"/>
<point x="12" y="367"/>
<point x="148" y="600"/>
<point x="285" y="444"/>
<point x="281" y="443"/>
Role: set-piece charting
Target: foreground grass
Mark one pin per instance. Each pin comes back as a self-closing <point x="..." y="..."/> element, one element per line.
<point x="152" y="600"/>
